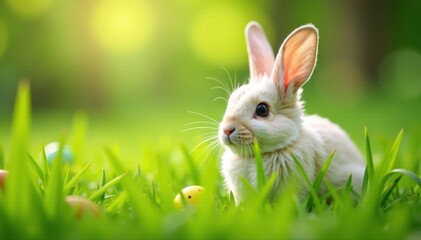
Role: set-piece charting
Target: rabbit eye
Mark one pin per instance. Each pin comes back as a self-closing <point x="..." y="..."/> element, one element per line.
<point x="262" y="110"/>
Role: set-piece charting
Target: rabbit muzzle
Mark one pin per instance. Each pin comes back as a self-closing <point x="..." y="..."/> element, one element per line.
<point x="235" y="136"/>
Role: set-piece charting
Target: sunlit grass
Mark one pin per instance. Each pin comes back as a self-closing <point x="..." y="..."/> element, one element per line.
<point x="137" y="202"/>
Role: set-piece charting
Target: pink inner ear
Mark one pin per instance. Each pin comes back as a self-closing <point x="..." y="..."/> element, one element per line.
<point x="292" y="72"/>
<point x="299" y="58"/>
<point x="261" y="58"/>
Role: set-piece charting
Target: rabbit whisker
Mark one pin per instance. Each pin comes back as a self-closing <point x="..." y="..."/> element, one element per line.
<point x="220" y="98"/>
<point x="206" y="140"/>
<point x="227" y="91"/>
<point x="201" y="122"/>
<point x="199" y="127"/>
<point x="222" y="85"/>
<point x="233" y="82"/>
<point x="209" y="135"/>
<point x="208" y="150"/>
<point x="205" y="116"/>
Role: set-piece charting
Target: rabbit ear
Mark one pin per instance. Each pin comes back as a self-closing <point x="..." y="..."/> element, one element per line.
<point x="296" y="58"/>
<point x="260" y="53"/>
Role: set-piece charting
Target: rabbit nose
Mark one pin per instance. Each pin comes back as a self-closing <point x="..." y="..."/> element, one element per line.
<point x="229" y="131"/>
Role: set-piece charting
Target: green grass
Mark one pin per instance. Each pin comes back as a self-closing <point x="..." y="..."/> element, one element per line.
<point x="136" y="200"/>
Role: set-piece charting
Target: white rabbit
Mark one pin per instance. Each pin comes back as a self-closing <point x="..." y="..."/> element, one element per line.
<point x="268" y="110"/>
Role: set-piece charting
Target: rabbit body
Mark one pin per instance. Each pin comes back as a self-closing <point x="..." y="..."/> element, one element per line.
<point x="268" y="110"/>
<point x="318" y="138"/>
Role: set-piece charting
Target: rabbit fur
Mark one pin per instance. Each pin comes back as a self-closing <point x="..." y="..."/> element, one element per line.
<point x="274" y="88"/>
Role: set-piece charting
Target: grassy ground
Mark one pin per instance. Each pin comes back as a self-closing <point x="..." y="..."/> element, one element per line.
<point x="134" y="187"/>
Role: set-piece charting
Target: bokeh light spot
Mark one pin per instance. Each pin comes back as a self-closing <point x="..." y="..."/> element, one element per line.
<point x="217" y="36"/>
<point x="29" y="8"/>
<point x="400" y="74"/>
<point x="3" y="37"/>
<point x="122" y="26"/>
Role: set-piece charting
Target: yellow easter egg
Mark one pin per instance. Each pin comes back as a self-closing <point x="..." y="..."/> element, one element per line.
<point x="193" y="195"/>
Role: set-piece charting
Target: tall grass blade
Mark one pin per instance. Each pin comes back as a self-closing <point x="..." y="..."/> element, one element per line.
<point x="103" y="182"/>
<point x="323" y="171"/>
<point x="142" y="208"/>
<point x="265" y="192"/>
<point x="411" y="175"/>
<point x="54" y="195"/>
<point x="251" y="192"/>
<point x="45" y="168"/>
<point x="348" y="185"/>
<point x="259" y="167"/>
<point x="66" y="177"/>
<point x="389" y="191"/>
<point x="193" y="169"/>
<point x="18" y="185"/>
<point x="348" y="191"/>
<point x="36" y="167"/>
<point x="74" y="180"/>
<point x="303" y="173"/>
<point x="318" y="182"/>
<point x="104" y="188"/>
<point x="389" y="161"/>
<point x="117" y="202"/>
<point x="334" y="193"/>
<point x="369" y="170"/>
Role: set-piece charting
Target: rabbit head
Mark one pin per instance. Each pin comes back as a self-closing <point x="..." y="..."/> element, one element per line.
<point x="268" y="108"/>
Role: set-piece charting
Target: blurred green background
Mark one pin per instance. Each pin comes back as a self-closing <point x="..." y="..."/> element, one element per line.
<point x="136" y="67"/>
